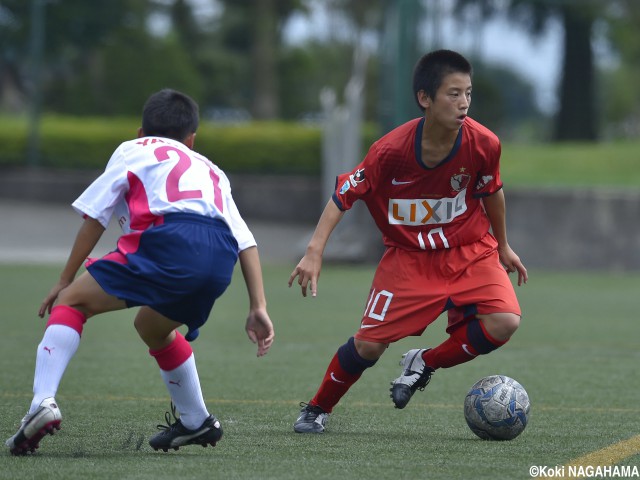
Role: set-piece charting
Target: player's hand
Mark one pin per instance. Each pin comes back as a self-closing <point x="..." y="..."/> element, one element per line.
<point x="50" y="299"/>
<point x="260" y="330"/>
<point x="512" y="263"/>
<point x="308" y="272"/>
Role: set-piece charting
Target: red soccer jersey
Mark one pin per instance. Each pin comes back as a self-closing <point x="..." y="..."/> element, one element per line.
<point x="421" y="208"/>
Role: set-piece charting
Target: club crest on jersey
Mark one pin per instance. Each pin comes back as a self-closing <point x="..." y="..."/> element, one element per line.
<point x="460" y="181"/>
<point x="357" y="177"/>
<point x="484" y="181"/>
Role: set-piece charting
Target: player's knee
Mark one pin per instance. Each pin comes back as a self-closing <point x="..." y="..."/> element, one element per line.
<point x="510" y="323"/>
<point x="148" y="332"/>
<point x="68" y="298"/>
<point x="370" y="350"/>
<point x="501" y="326"/>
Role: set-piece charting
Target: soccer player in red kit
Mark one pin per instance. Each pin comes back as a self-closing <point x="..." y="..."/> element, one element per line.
<point x="433" y="188"/>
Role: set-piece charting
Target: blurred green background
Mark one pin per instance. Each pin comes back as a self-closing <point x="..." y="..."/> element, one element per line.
<point x="74" y="74"/>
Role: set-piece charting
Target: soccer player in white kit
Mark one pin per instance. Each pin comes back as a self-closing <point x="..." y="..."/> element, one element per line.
<point x="182" y="237"/>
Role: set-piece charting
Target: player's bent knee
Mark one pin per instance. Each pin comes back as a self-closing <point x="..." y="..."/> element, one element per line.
<point x="155" y="330"/>
<point x="152" y="338"/>
<point x="87" y="296"/>
<point x="145" y="330"/>
<point x="501" y="326"/>
<point x="510" y="323"/>
<point x="370" y="350"/>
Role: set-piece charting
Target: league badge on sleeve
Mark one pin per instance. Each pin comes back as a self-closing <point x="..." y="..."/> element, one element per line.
<point x="357" y="177"/>
<point x="484" y="181"/>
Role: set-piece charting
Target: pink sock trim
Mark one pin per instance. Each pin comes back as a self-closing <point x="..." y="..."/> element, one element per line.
<point x="69" y="316"/>
<point x="173" y="355"/>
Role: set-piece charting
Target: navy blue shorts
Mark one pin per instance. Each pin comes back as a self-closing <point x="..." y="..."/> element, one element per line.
<point x="179" y="269"/>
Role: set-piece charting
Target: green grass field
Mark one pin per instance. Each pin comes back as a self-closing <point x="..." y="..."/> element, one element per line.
<point x="604" y="164"/>
<point x="576" y="354"/>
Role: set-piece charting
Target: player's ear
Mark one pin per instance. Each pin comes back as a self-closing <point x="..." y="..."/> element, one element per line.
<point x="140" y="133"/>
<point x="423" y="99"/>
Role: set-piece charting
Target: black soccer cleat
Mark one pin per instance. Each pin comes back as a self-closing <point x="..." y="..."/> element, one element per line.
<point x="415" y="376"/>
<point x="312" y="419"/>
<point x="175" y="435"/>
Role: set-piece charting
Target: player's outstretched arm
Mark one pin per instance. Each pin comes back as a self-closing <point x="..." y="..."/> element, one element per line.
<point x="86" y="239"/>
<point x="259" y="327"/>
<point x="308" y="269"/>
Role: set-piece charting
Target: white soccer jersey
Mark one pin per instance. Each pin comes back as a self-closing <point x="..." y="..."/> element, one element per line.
<point x="149" y="177"/>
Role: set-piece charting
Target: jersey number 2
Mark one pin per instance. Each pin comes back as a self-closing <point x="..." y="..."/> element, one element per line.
<point x="174" y="193"/>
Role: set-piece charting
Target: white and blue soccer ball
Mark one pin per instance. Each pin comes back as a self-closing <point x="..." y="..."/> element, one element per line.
<point x="497" y="408"/>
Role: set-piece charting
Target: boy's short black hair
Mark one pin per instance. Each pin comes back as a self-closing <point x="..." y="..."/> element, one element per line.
<point x="169" y="113"/>
<point x="433" y="67"/>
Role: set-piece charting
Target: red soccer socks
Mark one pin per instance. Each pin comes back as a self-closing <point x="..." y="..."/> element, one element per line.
<point x="345" y="369"/>
<point x="464" y="344"/>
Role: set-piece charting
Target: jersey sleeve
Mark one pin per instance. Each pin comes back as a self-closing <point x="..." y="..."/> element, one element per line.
<point x="231" y="214"/>
<point x="238" y="226"/>
<point x="358" y="183"/>
<point x="99" y="200"/>
<point x="488" y="180"/>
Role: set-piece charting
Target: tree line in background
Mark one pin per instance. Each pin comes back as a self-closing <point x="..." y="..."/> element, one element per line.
<point x="102" y="57"/>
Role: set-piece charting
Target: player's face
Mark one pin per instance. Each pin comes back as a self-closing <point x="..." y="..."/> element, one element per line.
<point x="453" y="98"/>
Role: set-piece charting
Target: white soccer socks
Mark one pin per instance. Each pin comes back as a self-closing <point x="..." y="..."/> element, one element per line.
<point x="179" y="373"/>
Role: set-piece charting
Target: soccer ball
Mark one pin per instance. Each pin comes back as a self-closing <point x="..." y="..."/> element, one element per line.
<point x="497" y="408"/>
